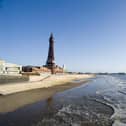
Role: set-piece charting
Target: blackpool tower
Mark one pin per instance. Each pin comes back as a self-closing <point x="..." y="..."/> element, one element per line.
<point x="50" y="63"/>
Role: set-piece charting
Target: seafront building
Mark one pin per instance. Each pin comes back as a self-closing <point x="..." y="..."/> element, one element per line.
<point x="9" y="68"/>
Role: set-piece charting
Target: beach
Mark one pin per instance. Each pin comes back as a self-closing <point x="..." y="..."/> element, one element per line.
<point x="75" y="104"/>
<point x="97" y="101"/>
<point x="9" y="104"/>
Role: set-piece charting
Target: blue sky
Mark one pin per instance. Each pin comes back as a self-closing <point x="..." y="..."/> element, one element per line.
<point x="90" y="35"/>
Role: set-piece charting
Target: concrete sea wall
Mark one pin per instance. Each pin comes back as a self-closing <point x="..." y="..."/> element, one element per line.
<point x="6" y="79"/>
<point x="50" y="81"/>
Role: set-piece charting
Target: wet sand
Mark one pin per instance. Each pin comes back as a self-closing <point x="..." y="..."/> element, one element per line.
<point x="88" y="113"/>
<point x="62" y="105"/>
<point x="12" y="102"/>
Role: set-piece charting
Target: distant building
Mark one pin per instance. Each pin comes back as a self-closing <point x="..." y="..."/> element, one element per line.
<point x="9" y="68"/>
<point x="36" y="70"/>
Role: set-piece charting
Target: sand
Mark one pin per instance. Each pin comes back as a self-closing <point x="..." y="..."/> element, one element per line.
<point x="12" y="102"/>
<point x="50" y="81"/>
<point x="24" y="100"/>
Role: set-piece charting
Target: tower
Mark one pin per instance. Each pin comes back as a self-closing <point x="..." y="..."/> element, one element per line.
<point x="50" y="63"/>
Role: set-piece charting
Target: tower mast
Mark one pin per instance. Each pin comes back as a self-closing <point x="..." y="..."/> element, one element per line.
<point x="50" y="63"/>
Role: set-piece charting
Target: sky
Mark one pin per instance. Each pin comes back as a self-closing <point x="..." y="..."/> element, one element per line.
<point x="90" y="35"/>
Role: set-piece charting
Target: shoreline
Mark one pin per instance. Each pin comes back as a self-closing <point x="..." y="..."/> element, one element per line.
<point x="50" y="81"/>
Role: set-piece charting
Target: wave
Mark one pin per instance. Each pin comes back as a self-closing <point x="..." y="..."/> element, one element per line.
<point x="115" y="116"/>
<point x="115" y="99"/>
<point x="122" y="92"/>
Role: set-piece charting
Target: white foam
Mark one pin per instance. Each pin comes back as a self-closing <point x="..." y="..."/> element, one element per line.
<point x="118" y="123"/>
<point x="116" y="100"/>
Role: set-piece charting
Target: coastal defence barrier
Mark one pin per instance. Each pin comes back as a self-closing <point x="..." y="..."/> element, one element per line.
<point x="6" y="79"/>
<point x="9" y="79"/>
<point x="46" y="82"/>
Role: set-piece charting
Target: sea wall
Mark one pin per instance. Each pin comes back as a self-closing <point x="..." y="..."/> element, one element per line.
<point x="6" y="79"/>
<point x="50" y="81"/>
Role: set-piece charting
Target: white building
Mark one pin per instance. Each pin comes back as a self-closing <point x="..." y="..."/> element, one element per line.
<point x="9" y="68"/>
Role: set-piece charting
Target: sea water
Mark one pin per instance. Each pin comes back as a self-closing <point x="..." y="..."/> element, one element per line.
<point x="115" y="95"/>
<point x="106" y="89"/>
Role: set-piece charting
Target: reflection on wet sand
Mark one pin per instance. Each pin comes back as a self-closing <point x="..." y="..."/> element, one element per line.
<point x="12" y="102"/>
<point x="49" y="104"/>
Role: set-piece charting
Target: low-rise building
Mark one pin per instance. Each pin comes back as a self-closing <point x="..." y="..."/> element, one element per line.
<point x="9" y="68"/>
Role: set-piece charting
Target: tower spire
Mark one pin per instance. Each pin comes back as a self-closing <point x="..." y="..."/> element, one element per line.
<point x="51" y="59"/>
<point x="50" y="62"/>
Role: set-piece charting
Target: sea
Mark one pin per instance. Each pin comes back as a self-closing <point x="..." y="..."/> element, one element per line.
<point x="113" y="91"/>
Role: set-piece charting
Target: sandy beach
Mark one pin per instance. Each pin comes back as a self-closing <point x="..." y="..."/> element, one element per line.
<point x="40" y="82"/>
<point x="56" y="106"/>
<point x="9" y="104"/>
